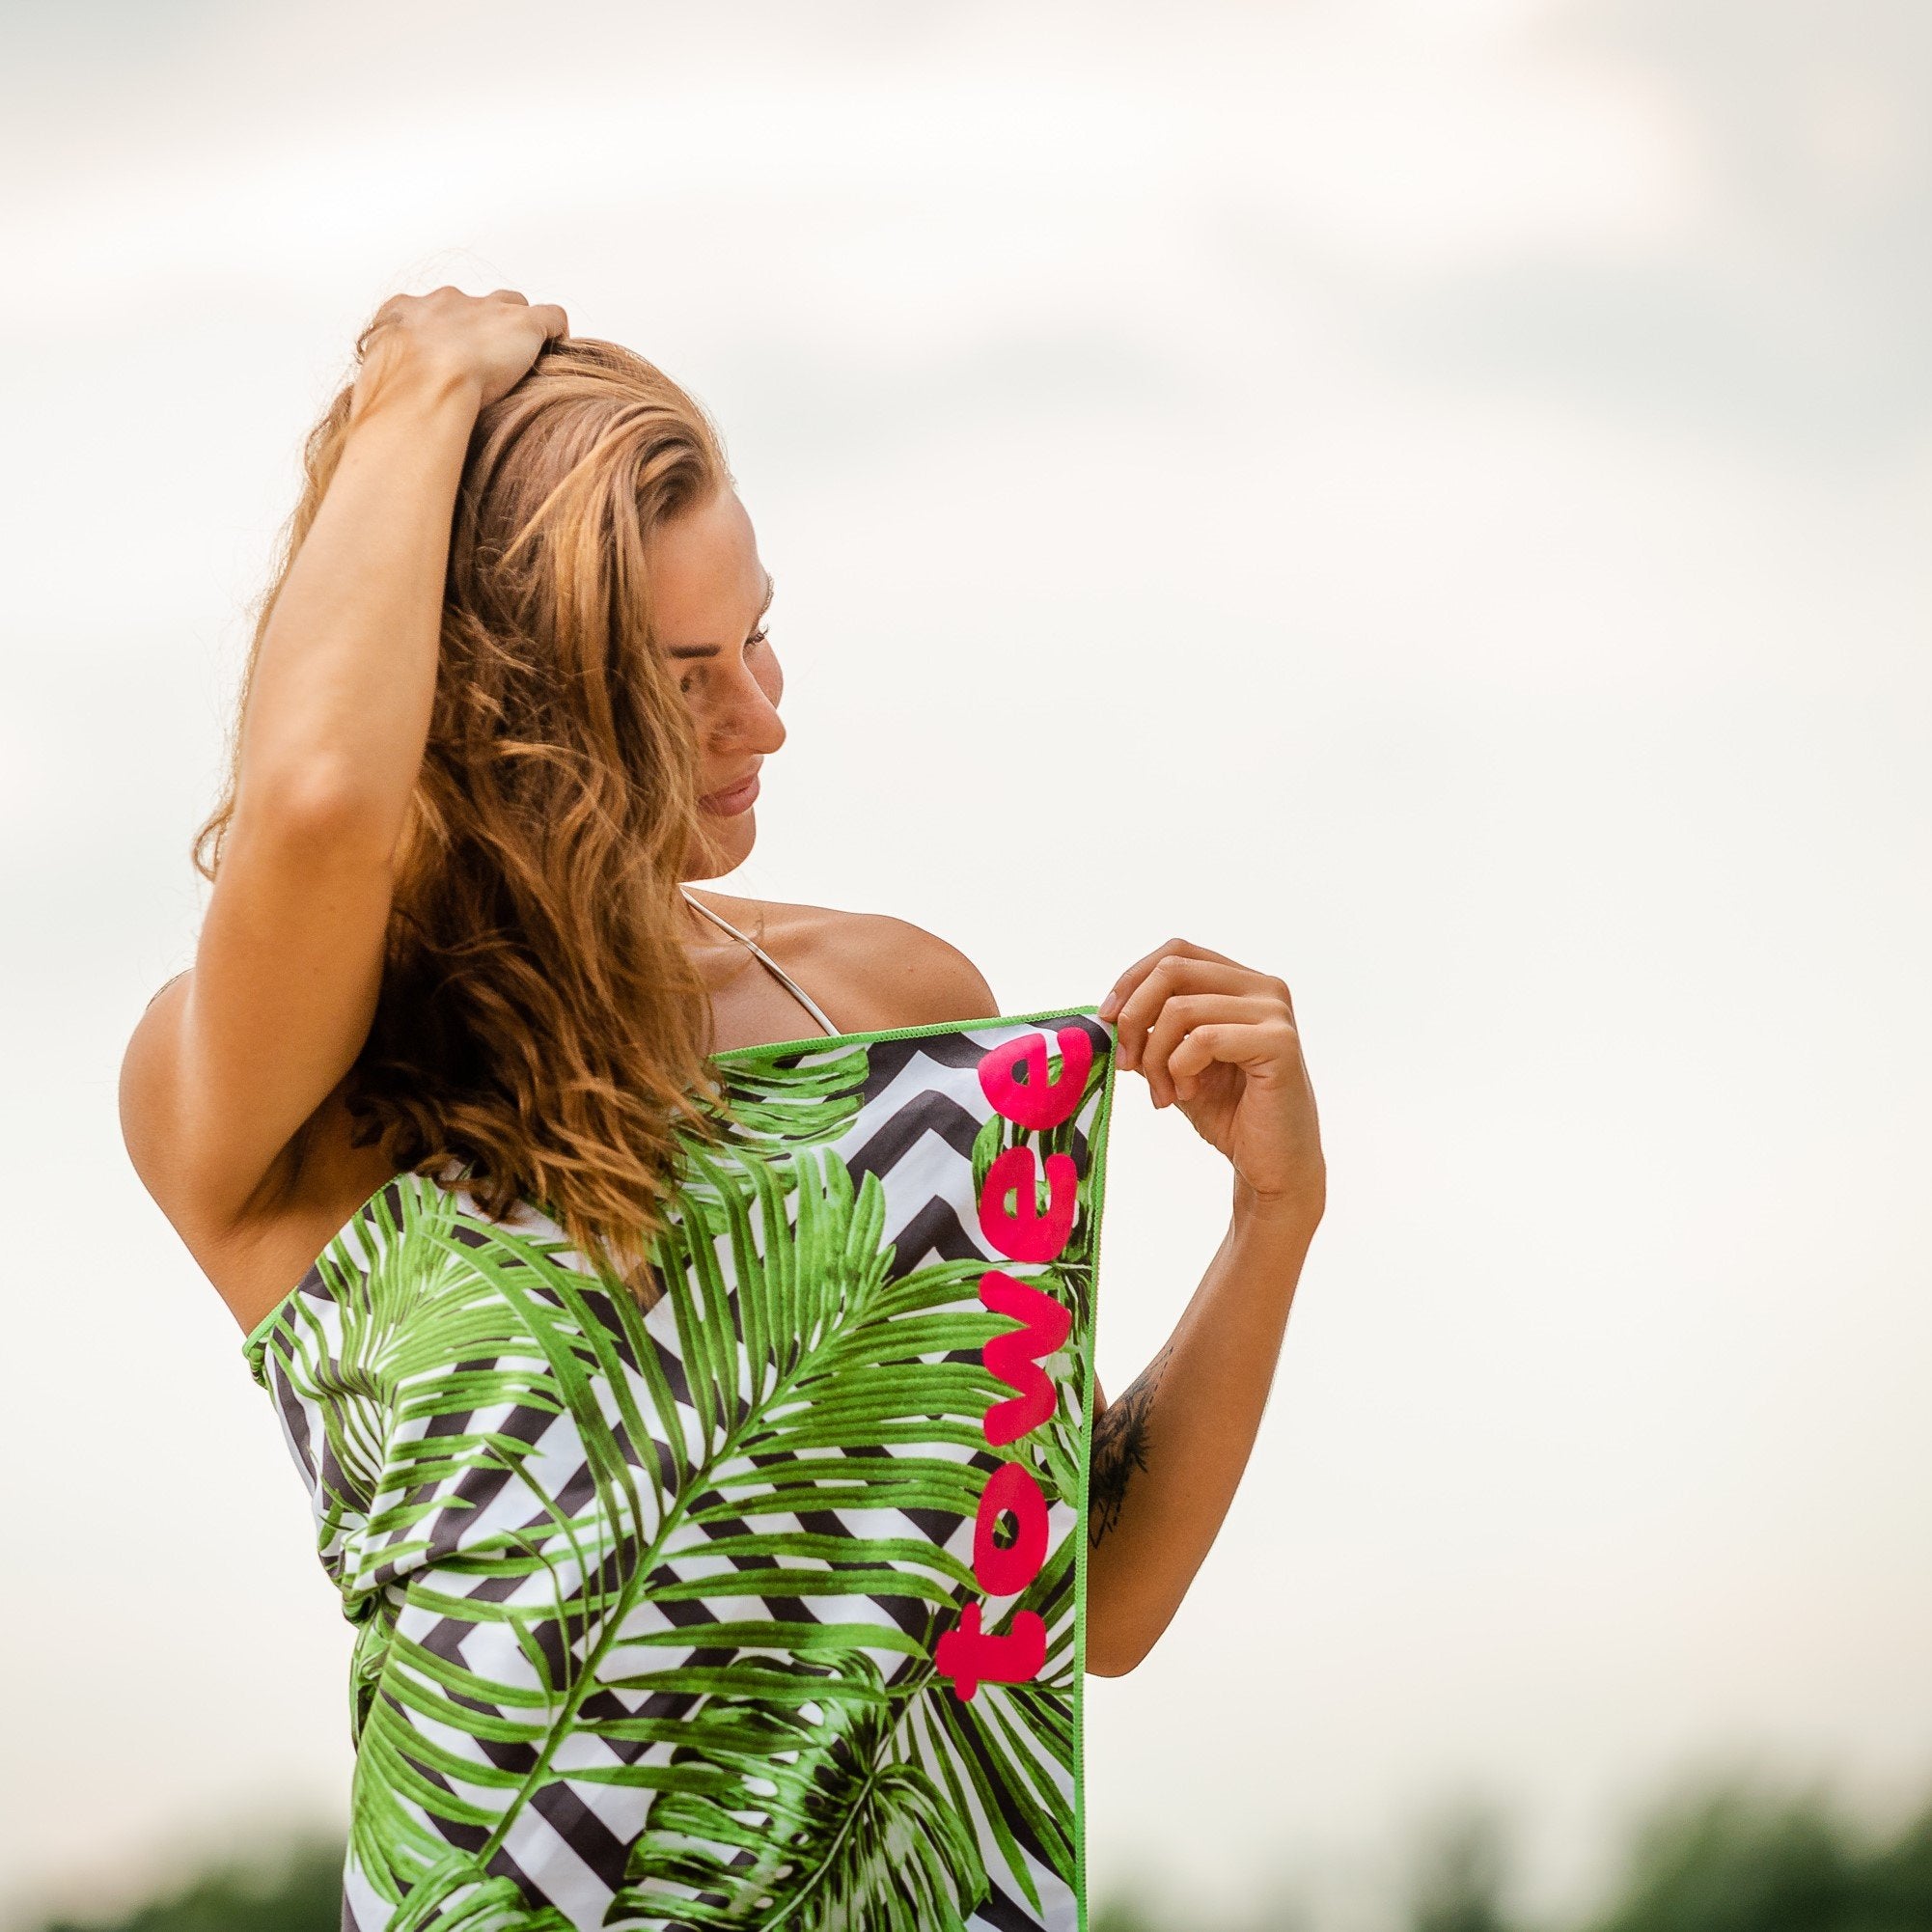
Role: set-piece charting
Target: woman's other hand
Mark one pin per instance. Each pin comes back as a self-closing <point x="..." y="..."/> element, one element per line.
<point x="1219" y="1040"/>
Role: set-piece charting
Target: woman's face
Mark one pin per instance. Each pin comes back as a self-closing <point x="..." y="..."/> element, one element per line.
<point x="711" y="595"/>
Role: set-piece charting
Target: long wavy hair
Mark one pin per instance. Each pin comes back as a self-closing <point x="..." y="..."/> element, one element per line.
<point x="540" y="1019"/>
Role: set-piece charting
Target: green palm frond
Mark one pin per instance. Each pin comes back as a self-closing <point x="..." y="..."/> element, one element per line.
<point x="773" y="1105"/>
<point x="455" y="1896"/>
<point x="878" y="1775"/>
<point x="851" y="1834"/>
<point x="800" y="1771"/>
<point x="793" y="1341"/>
<point x="1010" y="1745"/>
<point x="1005" y="1742"/>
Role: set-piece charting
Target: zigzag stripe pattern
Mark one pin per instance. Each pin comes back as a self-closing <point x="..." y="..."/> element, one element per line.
<point x="647" y="1601"/>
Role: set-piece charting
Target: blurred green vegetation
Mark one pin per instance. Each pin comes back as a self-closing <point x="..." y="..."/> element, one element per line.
<point x="1735" y="1858"/>
<point x="297" y="1891"/>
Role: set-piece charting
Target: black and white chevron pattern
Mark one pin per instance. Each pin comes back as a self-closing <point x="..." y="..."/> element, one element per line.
<point x="410" y="1533"/>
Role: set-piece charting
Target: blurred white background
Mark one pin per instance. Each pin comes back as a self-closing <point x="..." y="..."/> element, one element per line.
<point x="1463" y="467"/>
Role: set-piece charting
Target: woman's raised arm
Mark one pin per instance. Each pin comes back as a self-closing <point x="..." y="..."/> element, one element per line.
<point x="1219" y="1040"/>
<point x="230" y="1058"/>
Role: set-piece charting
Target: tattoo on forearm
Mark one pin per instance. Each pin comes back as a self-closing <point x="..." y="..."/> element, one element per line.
<point x="1119" y="1447"/>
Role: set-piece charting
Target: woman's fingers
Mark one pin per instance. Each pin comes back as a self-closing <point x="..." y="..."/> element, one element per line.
<point x="1220" y="1040"/>
<point x="490" y="338"/>
<point x="1124" y="987"/>
<point x="1237" y="1043"/>
<point x="1184" y="1016"/>
<point x="1180" y="966"/>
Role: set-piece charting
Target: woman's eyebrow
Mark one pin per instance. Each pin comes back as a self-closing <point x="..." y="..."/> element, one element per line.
<point x="711" y="650"/>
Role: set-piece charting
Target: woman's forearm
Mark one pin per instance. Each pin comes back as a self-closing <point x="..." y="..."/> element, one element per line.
<point x="1169" y="1452"/>
<point x="339" y="707"/>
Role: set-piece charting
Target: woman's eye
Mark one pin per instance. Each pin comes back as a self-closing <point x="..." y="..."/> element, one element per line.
<point x="762" y="635"/>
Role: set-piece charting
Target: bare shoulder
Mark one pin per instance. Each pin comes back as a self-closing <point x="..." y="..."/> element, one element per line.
<point x="871" y="970"/>
<point x="904" y="974"/>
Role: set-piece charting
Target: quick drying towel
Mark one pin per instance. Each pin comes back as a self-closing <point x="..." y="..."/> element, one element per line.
<point x="764" y="1607"/>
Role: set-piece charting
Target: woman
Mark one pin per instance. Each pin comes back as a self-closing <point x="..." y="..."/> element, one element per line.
<point x="510" y="693"/>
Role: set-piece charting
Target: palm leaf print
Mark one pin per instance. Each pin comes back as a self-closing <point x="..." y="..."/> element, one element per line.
<point x="859" y="1764"/>
<point x="649" y="1599"/>
<point x="776" y="1102"/>
<point x="795" y="1347"/>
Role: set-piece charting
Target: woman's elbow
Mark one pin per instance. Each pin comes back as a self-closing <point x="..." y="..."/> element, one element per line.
<point x="1111" y="1655"/>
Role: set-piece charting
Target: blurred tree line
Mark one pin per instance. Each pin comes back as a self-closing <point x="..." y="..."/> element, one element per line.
<point x="1733" y="1858"/>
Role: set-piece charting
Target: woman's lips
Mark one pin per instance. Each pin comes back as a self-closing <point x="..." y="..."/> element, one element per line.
<point x="728" y="803"/>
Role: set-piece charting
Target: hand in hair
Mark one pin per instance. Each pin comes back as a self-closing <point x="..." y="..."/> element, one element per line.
<point x="486" y="343"/>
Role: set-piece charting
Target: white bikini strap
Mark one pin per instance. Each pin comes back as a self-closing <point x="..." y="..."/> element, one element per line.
<point x="797" y="991"/>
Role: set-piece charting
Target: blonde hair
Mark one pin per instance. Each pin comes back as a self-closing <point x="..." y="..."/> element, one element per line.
<point x="539" y="1018"/>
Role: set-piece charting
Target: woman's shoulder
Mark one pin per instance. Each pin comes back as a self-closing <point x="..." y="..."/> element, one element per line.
<point x="872" y="969"/>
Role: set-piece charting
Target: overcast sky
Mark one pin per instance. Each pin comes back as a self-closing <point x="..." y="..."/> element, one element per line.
<point x="1466" y="466"/>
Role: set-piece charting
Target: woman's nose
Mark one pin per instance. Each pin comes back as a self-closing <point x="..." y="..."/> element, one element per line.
<point x="749" y="716"/>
